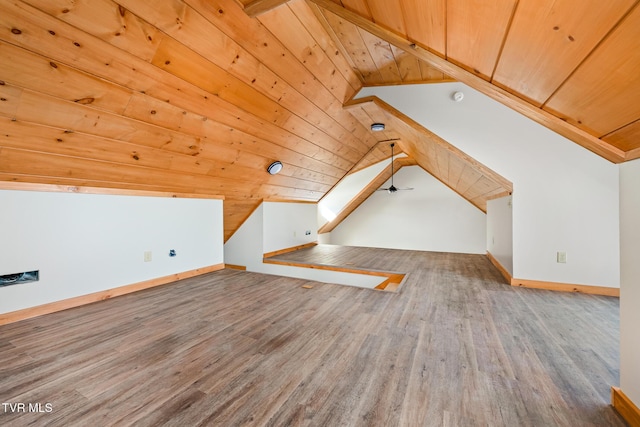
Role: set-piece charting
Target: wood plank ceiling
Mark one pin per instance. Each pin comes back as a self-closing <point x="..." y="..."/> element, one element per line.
<point x="571" y="65"/>
<point x="458" y="171"/>
<point x="196" y="96"/>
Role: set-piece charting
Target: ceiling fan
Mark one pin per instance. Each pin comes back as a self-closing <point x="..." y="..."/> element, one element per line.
<point x="392" y="188"/>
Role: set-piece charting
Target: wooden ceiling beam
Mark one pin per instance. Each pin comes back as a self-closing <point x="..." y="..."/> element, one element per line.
<point x="366" y="192"/>
<point x="427" y="135"/>
<point x="464" y="175"/>
<point x="520" y="105"/>
<point x="258" y="7"/>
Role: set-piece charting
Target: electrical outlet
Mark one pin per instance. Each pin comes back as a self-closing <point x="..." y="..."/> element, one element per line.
<point x="147" y="256"/>
<point x="561" y="257"/>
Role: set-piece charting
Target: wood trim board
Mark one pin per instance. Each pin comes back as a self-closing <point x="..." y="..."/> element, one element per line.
<point x="500" y="267"/>
<point x="625" y="407"/>
<point x="553" y="286"/>
<point x="65" y="304"/>
<point x="274" y="200"/>
<point x="566" y="287"/>
<point x="392" y="282"/>
<point x="53" y="188"/>
<point x="291" y="249"/>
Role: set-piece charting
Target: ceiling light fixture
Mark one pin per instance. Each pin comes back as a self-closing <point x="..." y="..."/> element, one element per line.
<point x="457" y="96"/>
<point x="275" y="167"/>
<point x="377" y="127"/>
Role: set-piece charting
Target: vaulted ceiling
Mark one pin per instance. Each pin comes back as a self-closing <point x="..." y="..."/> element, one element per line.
<point x="200" y="96"/>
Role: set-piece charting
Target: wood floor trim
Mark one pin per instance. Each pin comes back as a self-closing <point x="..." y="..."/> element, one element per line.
<point x="625" y="407"/>
<point x="553" y="286"/>
<point x="566" y="287"/>
<point x="236" y="267"/>
<point x="65" y="304"/>
<point x="500" y="267"/>
<point x="392" y="282"/>
<point x="287" y="250"/>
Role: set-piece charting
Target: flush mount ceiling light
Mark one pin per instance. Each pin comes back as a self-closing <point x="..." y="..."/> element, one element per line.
<point x="275" y="167"/>
<point x="457" y="96"/>
<point x="377" y="127"/>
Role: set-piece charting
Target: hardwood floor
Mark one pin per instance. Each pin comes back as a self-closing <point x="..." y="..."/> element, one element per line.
<point x="454" y="347"/>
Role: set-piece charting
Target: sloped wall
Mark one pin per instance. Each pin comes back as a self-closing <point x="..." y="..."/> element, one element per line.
<point x="565" y="198"/>
<point x="431" y="217"/>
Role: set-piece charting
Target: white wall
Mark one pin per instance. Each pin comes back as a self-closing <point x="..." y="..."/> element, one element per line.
<point x="565" y="197"/>
<point x="335" y="200"/>
<point x="85" y="243"/>
<point x="500" y="231"/>
<point x="285" y="225"/>
<point x="431" y="217"/>
<point x="630" y="280"/>
<point x="247" y="245"/>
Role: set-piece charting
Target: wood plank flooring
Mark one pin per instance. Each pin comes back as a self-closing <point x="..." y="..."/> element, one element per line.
<point x="454" y="347"/>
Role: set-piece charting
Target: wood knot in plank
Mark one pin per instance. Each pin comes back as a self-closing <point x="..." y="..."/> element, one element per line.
<point x="16" y="31"/>
<point x="121" y="10"/>
<point x="85" y="101"/>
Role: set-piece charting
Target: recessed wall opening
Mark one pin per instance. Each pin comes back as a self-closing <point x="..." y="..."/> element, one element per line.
<point x="18" y="278"/>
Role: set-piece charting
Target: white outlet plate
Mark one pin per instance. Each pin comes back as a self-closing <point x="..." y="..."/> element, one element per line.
<point x="148" y="256"/>
<point x="561" y="257"/>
